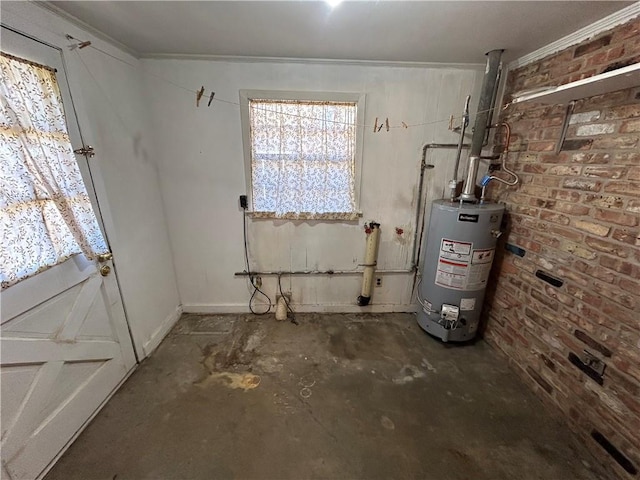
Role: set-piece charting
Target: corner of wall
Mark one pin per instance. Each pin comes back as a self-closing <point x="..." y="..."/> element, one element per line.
<point x="161" y="332"/>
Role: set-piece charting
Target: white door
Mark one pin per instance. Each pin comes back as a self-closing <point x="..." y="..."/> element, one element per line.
<point x="65" y="344"/>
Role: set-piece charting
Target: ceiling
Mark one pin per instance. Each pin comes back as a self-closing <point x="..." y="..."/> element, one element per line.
<point x="387" y="31"/>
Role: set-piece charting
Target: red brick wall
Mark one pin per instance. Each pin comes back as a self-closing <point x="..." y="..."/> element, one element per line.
<point x="576" y="214"/>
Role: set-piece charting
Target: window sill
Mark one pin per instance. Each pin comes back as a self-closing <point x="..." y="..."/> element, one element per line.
<point x="330" y="216"/>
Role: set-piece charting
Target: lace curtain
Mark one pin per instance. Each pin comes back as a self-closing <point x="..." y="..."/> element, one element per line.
<point x="303" y="158"/>
<point x="45" y="211"/>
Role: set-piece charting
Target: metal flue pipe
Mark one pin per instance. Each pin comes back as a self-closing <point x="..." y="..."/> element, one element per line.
<point x="485" y="108"/>
<point x="469" y="190"/>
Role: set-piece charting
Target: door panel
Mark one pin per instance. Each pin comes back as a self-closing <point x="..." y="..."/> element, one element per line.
<point x="57" y="379"/>
<point x="65" y="344"/>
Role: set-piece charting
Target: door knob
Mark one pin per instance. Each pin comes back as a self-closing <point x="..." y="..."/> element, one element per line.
<point x="105" y="270"/>
<point x="105" y="257"/>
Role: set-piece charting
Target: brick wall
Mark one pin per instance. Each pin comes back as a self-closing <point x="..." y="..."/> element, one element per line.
<point x="576" y="214"/>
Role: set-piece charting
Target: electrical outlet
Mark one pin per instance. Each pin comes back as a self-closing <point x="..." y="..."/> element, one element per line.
<point x="378" y="281"/>
<point x="257" y="281"/>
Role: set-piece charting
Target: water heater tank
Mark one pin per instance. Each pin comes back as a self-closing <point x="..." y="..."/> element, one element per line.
<point x="459" y="252"/>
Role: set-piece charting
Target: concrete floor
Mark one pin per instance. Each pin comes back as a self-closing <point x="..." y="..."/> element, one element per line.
<point x="337" y="397"/>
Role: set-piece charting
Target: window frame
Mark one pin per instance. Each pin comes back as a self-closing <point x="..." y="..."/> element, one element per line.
<point x="313" y="96"/>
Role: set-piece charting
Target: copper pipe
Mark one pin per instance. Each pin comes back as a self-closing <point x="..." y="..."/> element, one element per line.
<point x="507" y="127"/>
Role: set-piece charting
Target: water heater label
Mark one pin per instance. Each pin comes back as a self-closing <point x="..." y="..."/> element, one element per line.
<point x="455" y="250"/>
<point x="467" y="217"/>
<point x="451" y="274"/>
<point x="462" y="268"/>
<point x="453" y="263"/>
<point x="467" y="303"/>
<point x="427" y="306"/>
<point x="483" y="256"/>
<point x="480" y="268"/>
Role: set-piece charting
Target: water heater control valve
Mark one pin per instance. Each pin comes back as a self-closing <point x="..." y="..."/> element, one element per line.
<point x="449" y="313"/>
<point x="496" y="233"/>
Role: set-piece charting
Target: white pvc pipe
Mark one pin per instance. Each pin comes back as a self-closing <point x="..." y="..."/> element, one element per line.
<point x="370" y="262"/>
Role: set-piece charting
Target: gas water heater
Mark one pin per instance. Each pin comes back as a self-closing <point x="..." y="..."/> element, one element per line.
<point x="459" y="253"/>
<point x="461" y="236"/>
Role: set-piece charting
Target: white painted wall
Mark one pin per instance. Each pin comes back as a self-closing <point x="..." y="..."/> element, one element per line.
<point x="113" y="117"/>
<point x="200" y="156"/>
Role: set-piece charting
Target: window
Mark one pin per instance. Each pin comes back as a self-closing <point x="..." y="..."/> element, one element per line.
<point x="302" y="151"/>
<point x="45" y="212"/>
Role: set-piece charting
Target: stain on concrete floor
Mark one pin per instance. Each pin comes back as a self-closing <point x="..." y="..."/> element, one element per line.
<point x="339" y="396"/>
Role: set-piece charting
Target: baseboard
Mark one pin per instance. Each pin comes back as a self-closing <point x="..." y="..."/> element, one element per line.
<point x="305" y="308"/>
<point x="150" y="345"/>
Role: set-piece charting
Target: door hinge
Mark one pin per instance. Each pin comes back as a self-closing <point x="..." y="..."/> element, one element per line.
<point x="86" y="151"/>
